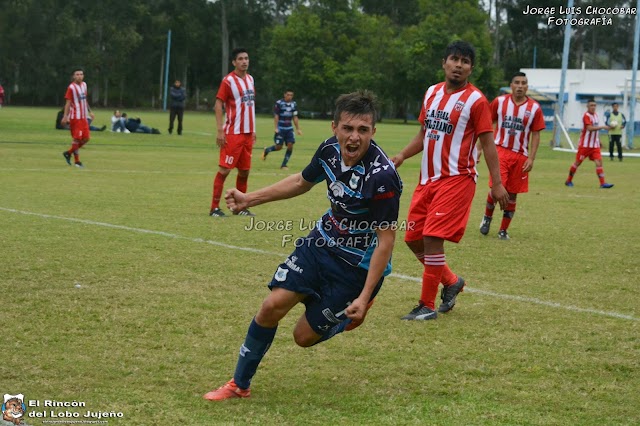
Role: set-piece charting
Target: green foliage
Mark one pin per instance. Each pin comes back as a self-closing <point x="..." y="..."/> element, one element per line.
<point x="319" y="48"/>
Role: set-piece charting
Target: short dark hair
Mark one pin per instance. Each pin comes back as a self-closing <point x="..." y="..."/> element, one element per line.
<point x="591" y="100"/>
<point x="615" y="103"/>
<point x="361" y="102"/>
<point x="461" y="48"/>
<point x="518" y="74"/>
<point x="74" y="70"/>
<point x="238" y="50"/>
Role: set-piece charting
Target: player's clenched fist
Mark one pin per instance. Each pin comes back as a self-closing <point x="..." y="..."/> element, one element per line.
<point x="236" y="200"/>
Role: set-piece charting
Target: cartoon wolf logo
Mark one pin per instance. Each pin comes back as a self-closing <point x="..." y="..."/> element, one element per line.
<point x="13" y="408"/>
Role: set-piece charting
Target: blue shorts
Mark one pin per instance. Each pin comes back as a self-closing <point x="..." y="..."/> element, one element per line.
<point x="284" y="136"/>
<point x="330" y="283"/>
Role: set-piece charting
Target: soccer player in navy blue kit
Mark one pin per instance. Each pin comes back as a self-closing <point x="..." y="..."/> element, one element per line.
<point x="285" y="116"/>
<point x="338" y="269"/>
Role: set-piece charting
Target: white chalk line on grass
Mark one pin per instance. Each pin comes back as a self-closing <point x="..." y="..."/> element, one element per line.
<point x="67" y="169"/>
<point x="522" y="299"/>
<point x="531" y="300"/>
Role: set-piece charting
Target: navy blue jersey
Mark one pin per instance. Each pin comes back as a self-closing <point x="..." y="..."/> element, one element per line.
<point x="363" y="197"/>
<point x="285" y="112"/>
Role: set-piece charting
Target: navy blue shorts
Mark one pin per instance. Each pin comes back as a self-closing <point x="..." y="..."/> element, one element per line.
<point x="330" y="283"/>
<point x="284" y="136"/>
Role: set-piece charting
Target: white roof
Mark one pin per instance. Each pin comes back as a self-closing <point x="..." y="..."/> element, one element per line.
<point x="593" y="82"/>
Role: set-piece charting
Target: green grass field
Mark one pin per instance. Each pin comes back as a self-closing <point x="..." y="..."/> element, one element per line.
<point x="547" y="332"/>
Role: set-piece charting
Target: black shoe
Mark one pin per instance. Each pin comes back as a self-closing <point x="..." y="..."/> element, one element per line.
<point x="79" y="165"/>
<point x="67" y="157"/>
<point x="170" y="131"/>
<point x="103" y="128"/>
<point x="420" y="313"/>
<point x="244" y="212"/>
<point x="485" y="225"/>
<point x="217" y="213"/>
<point x="502" y="235"/>
<point x="449" y="294"/>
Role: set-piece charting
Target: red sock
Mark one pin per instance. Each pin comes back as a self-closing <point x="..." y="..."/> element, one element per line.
<point x="448" y="277"/>
<point x="241" y="183"/>
<point x="572" y="171"/>
<point x="508" y="215"/>
<point x="218" y="185"/>
<point x="600" y="172"/>
<point x="491" y="205"/>
<point x="433" y="267"/>
<point x="75" y="146"/>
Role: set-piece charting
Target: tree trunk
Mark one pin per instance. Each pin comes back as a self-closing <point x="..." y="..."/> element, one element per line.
<point x="496" y="52"/>
<point x="106" y="92"/>
<point x="225" y="42"/>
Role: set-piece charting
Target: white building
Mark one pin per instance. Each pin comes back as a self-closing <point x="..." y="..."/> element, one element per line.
<point x="605" y="86"/>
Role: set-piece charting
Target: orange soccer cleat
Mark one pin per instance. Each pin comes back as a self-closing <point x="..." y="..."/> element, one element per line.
<point x="228" y="391"/>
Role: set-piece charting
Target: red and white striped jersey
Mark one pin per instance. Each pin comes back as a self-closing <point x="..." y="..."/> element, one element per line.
<point x="452" y="123"/>
<point x="516" y="122"/>
<point x="238" y="95"/>
<point x="589" y="138"/>
<point x="77" y="94"/>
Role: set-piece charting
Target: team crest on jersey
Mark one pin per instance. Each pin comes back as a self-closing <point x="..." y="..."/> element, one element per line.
<point x="459" y="106"/>
<point x="353" y="182"/>
<point x="281" y="274"/>
<point x="333" y="161"/>
<point x="337" y="189"/>
<point x="527" y="113"/>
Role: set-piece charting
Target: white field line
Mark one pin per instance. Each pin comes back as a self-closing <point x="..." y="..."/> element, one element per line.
<point x="522" y="299"/>
<point x="67" y="169"/>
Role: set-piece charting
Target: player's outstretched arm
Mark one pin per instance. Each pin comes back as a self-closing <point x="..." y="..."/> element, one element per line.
<point x="498" y="192"/>
<point x="289" y="187"/>
<point x="379" y="260"/>
<point x="414" y="147"/>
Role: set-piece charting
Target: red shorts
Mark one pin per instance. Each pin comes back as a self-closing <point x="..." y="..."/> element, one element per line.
<point x="79" y="129"/>
<point x="236" y="152"/>
<point x="514" y="180"/>
<point x="592" y="154"/>
<point x="441" y="209"/>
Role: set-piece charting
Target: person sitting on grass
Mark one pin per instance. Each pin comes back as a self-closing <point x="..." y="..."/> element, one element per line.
<point x="118" y="123"/>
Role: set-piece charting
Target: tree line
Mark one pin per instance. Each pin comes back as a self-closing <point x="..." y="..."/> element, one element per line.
<point x="318" y="48"/>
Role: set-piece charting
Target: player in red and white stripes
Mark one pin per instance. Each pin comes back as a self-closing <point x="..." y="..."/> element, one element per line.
<point x="454" y="114"/>
<point x="236" y="135"/>
<point x="518" y="120"/>
<point x="590" y="145"/>
<point x="76" y="110"/>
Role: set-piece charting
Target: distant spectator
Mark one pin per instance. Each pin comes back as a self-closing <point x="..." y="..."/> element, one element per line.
<point x="616" y="122"/>
<point x="178" y="96"/>
<point x="118" y="122"/>
<point x="134" y="125"/>
<point x="1" y="95"/>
